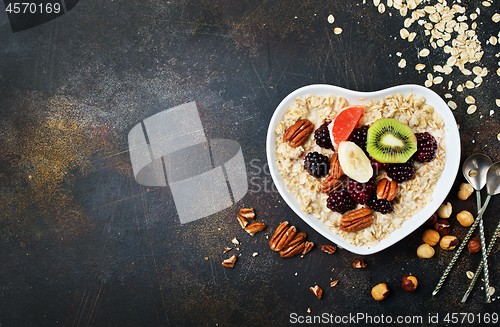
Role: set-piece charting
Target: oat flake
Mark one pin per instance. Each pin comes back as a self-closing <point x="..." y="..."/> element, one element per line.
<point x="452" y="105"/>
<point x="402" y="63"/>
<point x="337" y="30"/>
<point x="419" y="66"/>
<point x="424" y="52"/>
<point x="331" y="19"/>
<point x="470" y="100"/>
<point x="472" y="109"/>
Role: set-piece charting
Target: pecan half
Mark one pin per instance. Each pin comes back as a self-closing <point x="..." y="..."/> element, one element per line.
<point x="317" y="291"/>
<point x="330" y="249"/>
<point x="387" y="189"/>
<point x="296" y="246"/>
<point x="357" y="220"/>
<point x="243" y="221"/>
<point x="298" y="132"/>
<point x="247" y="213"/>
<point x="254" y="228"/>
<point x="278" y="235"/>
<point x="336" y="177"/>
<point x="335" y="167"/>
<point x="229" y="262"/>
<point x="330" y="183"/>
<point x="308" y="247"/>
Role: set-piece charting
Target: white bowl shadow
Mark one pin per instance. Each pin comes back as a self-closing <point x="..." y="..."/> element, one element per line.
<point x="441" y="190"/>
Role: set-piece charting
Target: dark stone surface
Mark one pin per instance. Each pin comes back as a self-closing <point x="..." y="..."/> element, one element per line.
<point x="84" y="245"/>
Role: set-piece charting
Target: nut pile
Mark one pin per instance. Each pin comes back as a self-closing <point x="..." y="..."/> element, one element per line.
<point x="440" y="227"/>
<point x="288" y="242"/>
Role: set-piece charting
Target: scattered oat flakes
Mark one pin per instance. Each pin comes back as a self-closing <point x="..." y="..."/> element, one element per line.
<point x="493" y="40"/>
<point x="491" y="291"/>
<point x="460" y="88"/>
<point x="437" y="80"/>
<point x="486" y="3"/>
<point x="448" y="96"/>
<point x="399" y="54"/>
<point x="235" y="241"/>
<point x="337" y="30"/>
<point x="334" y="283"/>
<point x="498" y="136"/>
<point x="497" y="102"/>
<point x="419" y="66"/>
<point x="470" y="274"/>
<point x="424" y="52"/>
<point x="428" y="83"/>
<point x="412" y="36"/>
<point x="470" y="100"/>
<point x="472" y="109"/>
<point x="496" y="18"/>
<point x="331" y="19"/>
<point x="402" y="63"/>
<point x="452" y="105"/>
<point x="255" y="254"/>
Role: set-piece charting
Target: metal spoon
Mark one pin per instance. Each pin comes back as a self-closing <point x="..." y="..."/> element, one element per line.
<point x="493" y="187"/>
<point x="475" y="167"/>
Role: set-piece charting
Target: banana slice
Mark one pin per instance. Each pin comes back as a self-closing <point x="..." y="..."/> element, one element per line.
<point x="354" y="162"/>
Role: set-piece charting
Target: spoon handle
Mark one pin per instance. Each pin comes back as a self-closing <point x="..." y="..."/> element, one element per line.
<point x="483" y="250"/>
<point x="478" y="270"/>
<point x="461" y="247"/>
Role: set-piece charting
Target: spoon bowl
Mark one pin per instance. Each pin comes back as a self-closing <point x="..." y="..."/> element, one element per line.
<point x="493" y="179"/>
<point x="475" y="169"/>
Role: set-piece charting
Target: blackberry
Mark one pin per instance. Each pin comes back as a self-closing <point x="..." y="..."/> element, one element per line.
<point x="401" y="172"/>
<point x="360" y="192"/>
<point x="340" y="201"/>
<point x="358" y="136"/>
<point x="378" y="165"/>
<point x="381" y="205"/>
<point x="322" y="137"/>
<point x="426" y="147"/>
<point x="317" y="164"/>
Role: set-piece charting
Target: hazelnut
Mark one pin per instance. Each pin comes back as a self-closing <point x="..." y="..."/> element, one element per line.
<point x="448" y="242"/>
<point x="425" y="251"/>
<point x="444" y="210"/>
<point x="380" y="291"/>
<point x="465" y="218"/>
<point x="465" y="191"/>
<point x="432" y="220"/>
<point x="431" y="237"/>
<point x="359" y="263"/>
<point x="442" y="226"/>
<point x="409" y="283"/>
<point x="474" y="245"/>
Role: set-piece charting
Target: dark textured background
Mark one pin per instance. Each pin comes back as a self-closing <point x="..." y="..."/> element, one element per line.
<point x="82" y="244"/>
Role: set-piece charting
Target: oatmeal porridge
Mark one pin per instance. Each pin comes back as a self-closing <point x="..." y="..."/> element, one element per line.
<point x="413" y="194"/>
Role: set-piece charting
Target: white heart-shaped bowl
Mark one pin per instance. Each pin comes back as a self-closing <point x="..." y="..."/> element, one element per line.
<point x="442" y="188"/>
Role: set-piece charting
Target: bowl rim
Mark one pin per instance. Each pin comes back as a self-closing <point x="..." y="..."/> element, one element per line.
<point x="443" y="185"/>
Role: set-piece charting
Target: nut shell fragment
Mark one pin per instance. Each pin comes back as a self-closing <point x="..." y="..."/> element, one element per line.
<point x="229" y="262"/>
<point x="318" y="291"/>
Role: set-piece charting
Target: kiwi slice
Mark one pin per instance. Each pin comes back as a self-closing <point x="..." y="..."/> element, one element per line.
<point x="390" y="141"/>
